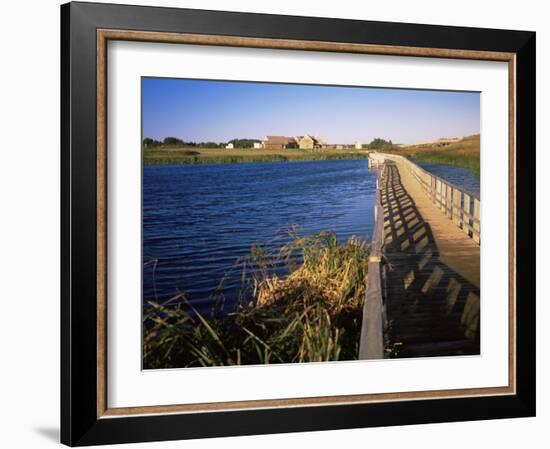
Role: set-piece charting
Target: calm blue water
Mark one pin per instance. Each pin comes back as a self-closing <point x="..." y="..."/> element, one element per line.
<point x="459" y="176"/>
<point x="199" y="219"/>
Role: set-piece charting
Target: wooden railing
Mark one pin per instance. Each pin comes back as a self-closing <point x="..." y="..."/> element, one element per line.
<point x="462" y="207"/>
<point x="371" y="345"/>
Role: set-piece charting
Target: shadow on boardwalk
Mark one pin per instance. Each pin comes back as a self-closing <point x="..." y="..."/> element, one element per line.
<point x="431" y="310"/>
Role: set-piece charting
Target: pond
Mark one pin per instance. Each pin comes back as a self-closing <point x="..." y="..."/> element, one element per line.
<point x="198" y="220"/>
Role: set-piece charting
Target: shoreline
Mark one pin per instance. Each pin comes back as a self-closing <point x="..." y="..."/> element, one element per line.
<point x="454" y="160"/>
<point x="185" y="156"/>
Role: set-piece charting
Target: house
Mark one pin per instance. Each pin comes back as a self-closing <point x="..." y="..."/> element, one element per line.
<point x="257" y="145"/>
<point x="308" y="142"/>
<point x="320" y="141"/>
<point x="358" y="145"/>
<point x="229" y="146"/>
<point x="279" y="142"/>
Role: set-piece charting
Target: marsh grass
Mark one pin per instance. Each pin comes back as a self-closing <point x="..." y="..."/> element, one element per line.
<point x="468" y="161"/>
<point x="168" y="155"/>
<point x="312" y="314"/>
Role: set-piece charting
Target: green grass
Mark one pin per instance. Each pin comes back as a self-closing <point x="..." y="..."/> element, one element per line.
<point x="468" y="161"/>
<point x="171" y="155"/>
<point x="311" y="315"/>
<point x="464" y="153"/>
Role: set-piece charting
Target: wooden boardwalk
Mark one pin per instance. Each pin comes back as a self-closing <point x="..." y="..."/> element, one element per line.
<point x="432" y="273"/>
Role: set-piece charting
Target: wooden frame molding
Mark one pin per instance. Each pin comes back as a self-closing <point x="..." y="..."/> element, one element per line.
<point x="105" y="35"/>
<point x="291" y="44"/>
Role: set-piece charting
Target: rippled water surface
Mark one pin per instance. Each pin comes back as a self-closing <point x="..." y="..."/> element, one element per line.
<point x="199" y="219"/>
<point x="459" y="176"/>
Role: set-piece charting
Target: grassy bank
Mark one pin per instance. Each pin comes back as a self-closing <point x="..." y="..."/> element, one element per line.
<point x="170" y="155"/>
<point x="468" y="161"/>
<point x="311" y="315"/>
<point x="464" y="153"/>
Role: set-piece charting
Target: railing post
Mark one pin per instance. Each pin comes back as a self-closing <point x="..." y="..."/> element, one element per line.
<point x="439" y="193"/>
<point x="457" y="205"/>
<point x="466" y="214"/>
<point x="427" y="184"/>
<point x="449" y="202"/>
<point x="477" y="220"/>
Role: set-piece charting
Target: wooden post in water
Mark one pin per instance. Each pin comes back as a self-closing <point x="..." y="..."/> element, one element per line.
<point x="477" y="220"/>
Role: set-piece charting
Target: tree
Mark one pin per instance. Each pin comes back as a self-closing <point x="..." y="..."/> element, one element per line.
<point x="172" y="141"/>
<point x="208" y="145"/>
<point x="150" y="143"/>
<point x="380" y="144"/>
<point x="244" y="143"/>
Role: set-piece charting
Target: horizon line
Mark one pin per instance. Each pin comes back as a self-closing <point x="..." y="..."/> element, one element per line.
<point x="220" y="142"/>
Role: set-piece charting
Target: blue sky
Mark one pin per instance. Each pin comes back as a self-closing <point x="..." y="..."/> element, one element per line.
<point x="199" y="110"/>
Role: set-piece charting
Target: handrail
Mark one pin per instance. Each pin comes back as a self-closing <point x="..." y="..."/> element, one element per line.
<point x="461" y="206"/>
<point x="371" y="344"/>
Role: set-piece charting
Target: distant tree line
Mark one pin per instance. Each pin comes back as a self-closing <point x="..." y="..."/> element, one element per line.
<point x="176" y="142"/>
<point x="244" y="143"/>
<point x="380" y="144"/>
<point x="376" y="144"/>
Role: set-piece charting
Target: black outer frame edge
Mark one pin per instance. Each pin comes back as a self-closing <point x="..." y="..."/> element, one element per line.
<point x="301" y="419"/>
<point x="79" y="424"/>
<point x="182" y="20"/>
<point x="526" y="222"/>
<point x="65" y="377"/>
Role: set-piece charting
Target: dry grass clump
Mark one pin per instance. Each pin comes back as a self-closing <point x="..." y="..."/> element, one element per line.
<point x="329" y="271"/>
<point x="313" y="314"/>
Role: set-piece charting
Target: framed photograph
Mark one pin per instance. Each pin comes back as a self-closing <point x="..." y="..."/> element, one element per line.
<point x="275" y="224"/>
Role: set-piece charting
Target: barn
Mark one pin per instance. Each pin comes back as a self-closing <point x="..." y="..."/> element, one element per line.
<point x="279" y="142"/>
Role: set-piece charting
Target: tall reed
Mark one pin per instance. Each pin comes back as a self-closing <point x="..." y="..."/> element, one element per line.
<point x="310" y="314"/>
